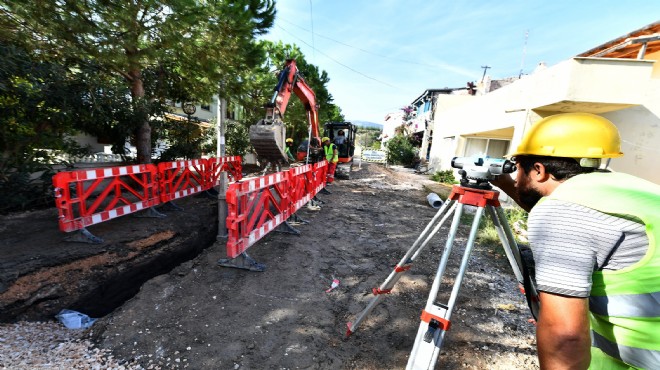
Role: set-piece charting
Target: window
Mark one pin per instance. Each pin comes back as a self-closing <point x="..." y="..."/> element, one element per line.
<point x="494" y="148"/>
<point x="206" y="107"/>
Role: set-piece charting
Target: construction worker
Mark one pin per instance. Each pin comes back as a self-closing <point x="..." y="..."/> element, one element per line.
<point x="332" y="156"/>
<point x="287" y="149"/>
<point x="595" y="239"/>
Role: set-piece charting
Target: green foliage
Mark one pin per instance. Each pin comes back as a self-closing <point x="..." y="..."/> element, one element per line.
<point x="159" y="48"/>
<point x="445" y="177"/>
<point x="487" y="235"/>
<point x="367" y="137"/>
<point x="401" y="151"/>
<point x="237" y="139"/>
<point x="40" y="104"/>
<point x="187" y="140"/>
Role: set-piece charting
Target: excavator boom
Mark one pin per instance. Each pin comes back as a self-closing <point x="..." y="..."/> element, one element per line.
<point x="269" y="134"/>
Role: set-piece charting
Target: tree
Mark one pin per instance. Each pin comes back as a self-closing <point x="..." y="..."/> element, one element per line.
<point x="41" y="106"/>
<point x="183" y="43"/>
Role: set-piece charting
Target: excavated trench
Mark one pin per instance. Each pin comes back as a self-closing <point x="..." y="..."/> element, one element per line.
<point x="118" y="288"/>
<point x="50" y="275"/>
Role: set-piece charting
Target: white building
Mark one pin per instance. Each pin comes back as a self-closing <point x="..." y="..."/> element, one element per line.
<point x="619" y="80"/>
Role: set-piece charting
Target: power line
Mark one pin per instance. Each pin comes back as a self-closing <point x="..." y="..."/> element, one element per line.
<point x="338" y="62"/>
<point x="362" y="50"/>
<point x="311" y="20"/>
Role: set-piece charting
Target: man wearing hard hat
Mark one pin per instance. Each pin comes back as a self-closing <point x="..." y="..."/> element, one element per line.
<point x="595" y="238"/>
<point x="332" y="156"/>
<point x="287" y="150"/>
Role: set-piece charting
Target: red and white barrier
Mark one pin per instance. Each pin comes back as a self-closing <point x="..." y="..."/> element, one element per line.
<point x="88" y="197"/>
<point x="258" y="205"/>
<point x="181" y="179"/>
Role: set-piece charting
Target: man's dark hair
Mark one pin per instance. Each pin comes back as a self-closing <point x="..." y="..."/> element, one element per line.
<point x="560" y="168"/>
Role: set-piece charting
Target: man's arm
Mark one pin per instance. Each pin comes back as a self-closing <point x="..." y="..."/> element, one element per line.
<point x="562" y="332"/>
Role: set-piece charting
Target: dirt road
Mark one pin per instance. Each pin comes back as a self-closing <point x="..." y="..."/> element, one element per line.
<point x="203" y="316"/>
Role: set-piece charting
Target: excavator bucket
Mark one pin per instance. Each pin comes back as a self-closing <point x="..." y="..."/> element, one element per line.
<point x="268" y="140"/>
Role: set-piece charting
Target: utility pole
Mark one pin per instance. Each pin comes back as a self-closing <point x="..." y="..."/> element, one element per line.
<point x="484" y="75"/>
<point x="522" y="62"/>
<point x="221" y="129"/>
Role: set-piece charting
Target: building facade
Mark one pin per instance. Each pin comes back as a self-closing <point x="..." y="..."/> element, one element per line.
<point x="619" y="80"/>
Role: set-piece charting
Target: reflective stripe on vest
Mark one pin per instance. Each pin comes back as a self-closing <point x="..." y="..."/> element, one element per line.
<point x="642" y="358"/>
<point x="631" y="305"/>
<point x="623" y="304"/>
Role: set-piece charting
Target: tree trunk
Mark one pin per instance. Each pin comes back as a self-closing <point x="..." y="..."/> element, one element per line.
<point x="143" y="129"/>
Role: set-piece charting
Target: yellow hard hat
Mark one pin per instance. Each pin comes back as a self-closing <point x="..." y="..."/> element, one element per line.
<point x="571" y="135"/>
<point x="289" y="140"/>
<point x="325" y="138"/>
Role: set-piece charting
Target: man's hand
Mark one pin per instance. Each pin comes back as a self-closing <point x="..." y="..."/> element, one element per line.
<point x="562" y="332"/>
<point x="508" y="185"/>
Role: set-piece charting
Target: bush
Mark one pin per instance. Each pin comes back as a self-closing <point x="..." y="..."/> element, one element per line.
<point x="445" y="177"/>
<point x="488" y="234"/>
<point x="401" y="151"/>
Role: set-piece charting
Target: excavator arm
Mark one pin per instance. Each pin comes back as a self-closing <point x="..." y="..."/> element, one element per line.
<point x="269" y="134"/>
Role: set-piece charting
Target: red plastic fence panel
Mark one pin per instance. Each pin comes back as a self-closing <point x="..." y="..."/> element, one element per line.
<point x="320" y="171"/>
<point x="231" y="165"/>
<point x="255" y="207"/>
<point x="258" y="205"/>
<point x="182" y="178"/>
<point x="302" y="187"/>
<point x="88" y="197"/>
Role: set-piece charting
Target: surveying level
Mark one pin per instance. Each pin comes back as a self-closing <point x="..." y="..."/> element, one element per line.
<point x="435" y="318"/>
<point x="477" y="171"/>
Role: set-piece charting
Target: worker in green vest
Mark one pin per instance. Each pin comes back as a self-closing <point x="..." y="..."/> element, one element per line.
<point x="332" y="156"/>
<point x="595" y="238"/>
<point x="287" y="150"/>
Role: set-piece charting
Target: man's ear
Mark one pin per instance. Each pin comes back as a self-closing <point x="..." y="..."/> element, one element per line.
<point x="539" y="172"/>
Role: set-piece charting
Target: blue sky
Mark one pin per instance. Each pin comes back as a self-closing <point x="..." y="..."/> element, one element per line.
<point x="381" y="55"/>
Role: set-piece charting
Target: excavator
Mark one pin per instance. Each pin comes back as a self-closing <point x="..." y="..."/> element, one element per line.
<point x="269" y="134"/>
<point x="343" y="134"/>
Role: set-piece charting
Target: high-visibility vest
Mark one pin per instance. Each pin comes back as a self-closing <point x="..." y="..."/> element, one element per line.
<point x="330" y="153"/>
<point x="288" y="153"/>
<point x="624" y="313"/>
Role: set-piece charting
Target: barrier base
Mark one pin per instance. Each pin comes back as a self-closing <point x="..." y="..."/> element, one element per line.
<point x="243" y="262"/>
<point x="170" y="206"/>
<point x="150" y="213"/>
<point x="84" y="236"/>
<point x="286" y="228"/>
<point x="295" y="220"/>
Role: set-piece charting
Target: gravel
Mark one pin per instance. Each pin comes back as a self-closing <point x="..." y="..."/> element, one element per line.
<point x="50" y="345"/>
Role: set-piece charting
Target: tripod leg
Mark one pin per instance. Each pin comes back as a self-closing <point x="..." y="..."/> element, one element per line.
<point x="527" y="284"/>
<point x="385" y="288"/>
<point x="508" y="241"/>
<point x="436" y="317"/>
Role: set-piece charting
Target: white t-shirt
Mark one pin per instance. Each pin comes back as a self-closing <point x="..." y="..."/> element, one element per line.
<point x="569" y="242"/>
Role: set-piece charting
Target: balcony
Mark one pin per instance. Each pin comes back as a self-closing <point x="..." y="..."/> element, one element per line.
<point x="593" y="85"/>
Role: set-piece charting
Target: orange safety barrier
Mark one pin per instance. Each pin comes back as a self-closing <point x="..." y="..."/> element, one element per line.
<point x="182" y="178"/>
<point x="256" y="206"/>
<point x="88" y="197"/>
<point x="230" y="165"/>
